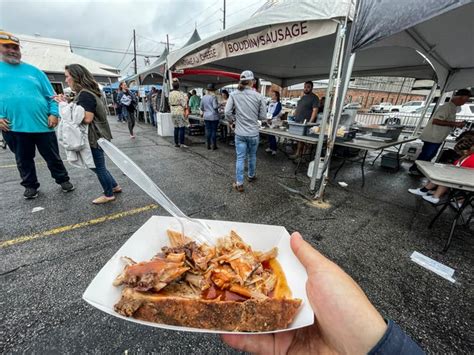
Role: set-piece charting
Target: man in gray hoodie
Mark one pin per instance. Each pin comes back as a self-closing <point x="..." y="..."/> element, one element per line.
<point x="247" y="106"/>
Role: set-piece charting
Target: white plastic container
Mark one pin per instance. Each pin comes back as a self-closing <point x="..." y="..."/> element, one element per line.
<point x="164" y="125"/>
<point x="311" y="167"/>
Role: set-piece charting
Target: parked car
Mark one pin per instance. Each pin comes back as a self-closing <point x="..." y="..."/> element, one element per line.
<point x="408" y="107"/>
<point x="410" y="119"/>
<point x="291" y="103"/>
<point x="381" y="107"/>
<point x="353" y="106"/>
<point x="466" y="111"/>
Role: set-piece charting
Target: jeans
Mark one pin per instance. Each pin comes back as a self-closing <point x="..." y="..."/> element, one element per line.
<point x="152" y="115"/>
<point x="179" y="135"/>
<point x="24" y="145"/>
<point x="123" y="113"/>
<point x="105" y="178"/>
<point x="245" y="147"/>
<point x="272" y="142"/>
<point x="211" y="132"/>
<point x="428" y="152"/>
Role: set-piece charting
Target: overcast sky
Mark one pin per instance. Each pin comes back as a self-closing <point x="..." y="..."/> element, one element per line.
<point x="108" y="24"/>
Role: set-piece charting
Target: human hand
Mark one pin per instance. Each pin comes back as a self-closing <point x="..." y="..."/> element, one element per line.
<point x="4" y="124"/>
<point x="345" y="320"/>
<point x="59" y="98"/>
<point x="52" y="121"/>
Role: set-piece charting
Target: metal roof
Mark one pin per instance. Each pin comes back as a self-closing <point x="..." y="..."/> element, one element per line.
<point x="52" y="55"/>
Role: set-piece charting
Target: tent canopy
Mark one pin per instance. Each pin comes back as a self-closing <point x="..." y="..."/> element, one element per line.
<point x="438" y="29"/>
<point x="154" y="73"/>
<point x="291" y="42"/>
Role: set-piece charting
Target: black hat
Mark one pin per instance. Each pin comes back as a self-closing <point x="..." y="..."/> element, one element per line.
<point x="211" y="87"/>
<point x="463" y="92"/>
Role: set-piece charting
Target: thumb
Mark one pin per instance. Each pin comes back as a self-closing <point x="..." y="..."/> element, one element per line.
<point x="311" y="259"/>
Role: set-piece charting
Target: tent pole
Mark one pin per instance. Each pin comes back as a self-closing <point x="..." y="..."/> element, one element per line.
<point x="333" y="127"/>
<point x="425" y="109"/>
<point x="327" y="103"/>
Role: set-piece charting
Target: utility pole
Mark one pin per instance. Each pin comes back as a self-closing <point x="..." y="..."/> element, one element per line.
<point x="134" y="53"/>
<point x="223" y="20"/>
<point x="167" y="43"/>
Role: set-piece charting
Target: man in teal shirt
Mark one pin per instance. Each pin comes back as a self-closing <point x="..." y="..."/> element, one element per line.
<point x="28" y="115"/>
<point x="194" y="103"/>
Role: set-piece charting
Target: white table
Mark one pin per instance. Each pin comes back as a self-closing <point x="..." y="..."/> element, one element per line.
<point x="461" y="182"/>
<point x="363" y="144"/>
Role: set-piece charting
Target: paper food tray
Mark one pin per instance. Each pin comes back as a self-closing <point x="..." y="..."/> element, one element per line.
<point x="151" y="237"/>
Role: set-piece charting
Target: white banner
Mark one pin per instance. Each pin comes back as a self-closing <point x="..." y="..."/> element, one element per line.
<point x="271" y="37"/>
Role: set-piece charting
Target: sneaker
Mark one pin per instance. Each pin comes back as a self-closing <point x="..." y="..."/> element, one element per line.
<point x="132" y="136"/>
<point x="268" y="150"/>
<point x="431" y="199"/>
<point x="117" y="189"/>
<point x="183" y="146"/>
<point x="67" y="186"/>
<point x="417" y="192"/>
<point x="274" y="152"/>
<point x="214" y="147"/>
<point x="30" y="193"/>
<point x="103" y="199"/>
<point x="239" y="188"/>
<point x="252" y="179"/>
<point x="176" y="145"/>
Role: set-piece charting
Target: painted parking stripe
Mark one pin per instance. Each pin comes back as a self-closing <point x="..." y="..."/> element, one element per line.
<point x="71" y="227"/>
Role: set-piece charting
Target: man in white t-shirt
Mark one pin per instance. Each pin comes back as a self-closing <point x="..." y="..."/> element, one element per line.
<point x="439" y="127"/>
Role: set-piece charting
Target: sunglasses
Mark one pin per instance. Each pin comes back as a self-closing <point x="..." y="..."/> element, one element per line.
<point x="9" y="37"/>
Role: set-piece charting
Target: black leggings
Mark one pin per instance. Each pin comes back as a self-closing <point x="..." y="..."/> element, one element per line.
<point x="131" y="122"/>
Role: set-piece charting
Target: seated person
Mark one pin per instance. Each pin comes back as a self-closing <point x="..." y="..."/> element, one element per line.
<point x="432" y="192"/>
<point x="464" y="142"/>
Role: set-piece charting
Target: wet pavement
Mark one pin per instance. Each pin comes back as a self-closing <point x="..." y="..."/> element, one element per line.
<point x="52" y="255"/>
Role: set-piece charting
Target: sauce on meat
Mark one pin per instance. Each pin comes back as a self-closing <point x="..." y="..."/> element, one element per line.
<point x="213" y="292"/>
<point x="281" y="289"/>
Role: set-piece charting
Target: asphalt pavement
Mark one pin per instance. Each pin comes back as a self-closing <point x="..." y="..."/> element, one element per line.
<point x="48" y="257"/>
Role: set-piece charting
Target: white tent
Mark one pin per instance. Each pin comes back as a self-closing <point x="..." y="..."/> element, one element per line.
<point x="439" y="29"/>
<point x="434" y="28"/>
<point x="268" y="45"/>
<point x="291" y="42"/>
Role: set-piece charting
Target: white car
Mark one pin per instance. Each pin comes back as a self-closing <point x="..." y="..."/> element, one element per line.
<point x="381" y="107"/>
<point x="291" y="103"/>
<point x="353" y="106"/>
<point x="408" y="107"/>
<point x="464" y="112"/>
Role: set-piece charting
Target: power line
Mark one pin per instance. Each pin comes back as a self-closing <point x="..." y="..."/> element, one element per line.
<point x="131" y="40"/>
<point x="152" y="40"/>
<point x="110" y="50"/>
<point x="199" y="14"/>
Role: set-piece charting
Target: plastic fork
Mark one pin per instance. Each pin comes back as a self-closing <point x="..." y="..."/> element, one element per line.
<point x="194" y="228"/>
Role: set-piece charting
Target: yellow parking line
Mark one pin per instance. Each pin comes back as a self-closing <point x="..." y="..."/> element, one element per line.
<point x="12" y="166"/>
<point x="71" y="227"/>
